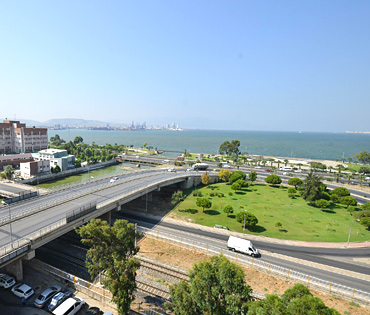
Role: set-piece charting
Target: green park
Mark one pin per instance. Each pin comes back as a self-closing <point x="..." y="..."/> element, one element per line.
<point x="281" y="212"/>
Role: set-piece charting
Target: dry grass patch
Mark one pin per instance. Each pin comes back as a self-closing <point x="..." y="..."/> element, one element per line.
<point x="184" y="258"/>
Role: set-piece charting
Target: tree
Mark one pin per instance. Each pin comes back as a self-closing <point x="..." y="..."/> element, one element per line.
<point x="252" y="176"/>
<point x="224" y="175"/>
<point x="236" y="186"/>
<point x="216" y="287"/>
<point x="145" y="144"/>
<point x="249" y="218"/>
<point x="363" y="157"/>
<point x="206" y="179"/>
<point x="271" y="161"/>
<point x="348" y="201"/>
<point x="237" y="175"/>
<point x="273" y="180"/>
<point x="230" y="148"/>
<point x="322" y="203"/>
<point x="177" y="197"/>
<point x="366" y="206"/>
<point x="318" y="166"/>
<point x="228" y="209"/>
<point x="242" y="183"/>
<point x="112" y="253"/>
<point x="78" y="140"/>
<point x="57" y="169"/>
<point x="291" y="192"/>
<point x="295" y="181"/>
<point x="334" y="198"/>
<point x="341" y="192"/>
<point x="364" y="170"/>
<point x="204" y="203"/>
<point x="312" y="190"/>
<point x="9" y="171"/>
<point x="272" y="304"/>
<point x="366" y="222"/>
<point x="286" y="161"/>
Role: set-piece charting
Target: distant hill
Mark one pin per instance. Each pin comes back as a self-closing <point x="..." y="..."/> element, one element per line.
<point x="71" y="122"/>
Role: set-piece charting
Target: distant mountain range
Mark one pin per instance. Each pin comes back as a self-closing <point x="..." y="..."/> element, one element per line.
<point x="71" y="122"/>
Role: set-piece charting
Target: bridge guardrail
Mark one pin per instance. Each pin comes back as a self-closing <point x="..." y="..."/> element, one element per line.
<point x="290" y="274"/>
<point x="57" y="201"/>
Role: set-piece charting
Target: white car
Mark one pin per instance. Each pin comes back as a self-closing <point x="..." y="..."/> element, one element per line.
<point x="46" y="295"/>
<point x="227" y="166"/>
<point x="190" y="169"/>
<point x="258" y="167"/>
<point x="71" y="306"/>
<point x="114" y="179"/>
<point x="6" y="281"/>
<point x="22" y="290"/>
<point x="171" y="170"/>
<point x="298" y="171"/>
<point x="166" y="161"/>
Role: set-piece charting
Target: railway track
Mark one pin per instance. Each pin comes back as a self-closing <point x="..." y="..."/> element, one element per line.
<point x="63" y="256"/>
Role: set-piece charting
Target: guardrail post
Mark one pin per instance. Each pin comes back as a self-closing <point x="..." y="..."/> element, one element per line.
<point x="308" y="280"/>
<point x="353" y="294"/>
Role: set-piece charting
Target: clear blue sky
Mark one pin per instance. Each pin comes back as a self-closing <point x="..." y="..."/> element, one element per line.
<point x="254" y="65"/>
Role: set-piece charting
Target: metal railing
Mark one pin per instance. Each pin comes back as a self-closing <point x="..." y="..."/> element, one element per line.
<point x="289" y="274"/>
<point x="91" y="289"/>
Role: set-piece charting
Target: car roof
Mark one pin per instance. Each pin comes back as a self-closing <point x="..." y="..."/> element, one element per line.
<point x="5" y="276"/>
<point x="24" y="287"/>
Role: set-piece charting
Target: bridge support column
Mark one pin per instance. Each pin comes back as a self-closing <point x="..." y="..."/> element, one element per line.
<point x="15" y="268"/>
<point x="149" y="196"/>
<point x="107" y="217"/>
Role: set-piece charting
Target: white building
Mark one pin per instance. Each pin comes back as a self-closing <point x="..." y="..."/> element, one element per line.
<point x="34" y="168"/>
<point x="56" y="157"/>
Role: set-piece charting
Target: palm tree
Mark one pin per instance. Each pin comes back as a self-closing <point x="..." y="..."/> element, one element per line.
<point x="337" y="176"/>
<point x="299" y="165"/>
<point x="278" y="163"/>
<point x="286" y="162"/>
<point x="271" y="161"/>
<point x="349" y="177"/>
<point x="361" y="178"/>
<point x="330" y="168"/>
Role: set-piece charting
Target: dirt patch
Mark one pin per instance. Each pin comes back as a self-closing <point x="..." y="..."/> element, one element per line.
<point x="183" y="258"/>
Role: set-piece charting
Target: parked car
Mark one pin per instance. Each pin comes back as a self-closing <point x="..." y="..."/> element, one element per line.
<point x="94" y="311"/>
<point x="71" y="305"/>
<point x="46" y="295"/>
<point x="114" y="179"/>
<point x="22" y="290"/>
<point x="226" y="166"/>
<point x="58" y="299"/>
<point x="108" y="313"/>
<point x="6" y="281"/>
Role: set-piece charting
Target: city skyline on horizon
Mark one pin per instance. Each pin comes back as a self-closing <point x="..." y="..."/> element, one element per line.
<point x="286" y="66"/>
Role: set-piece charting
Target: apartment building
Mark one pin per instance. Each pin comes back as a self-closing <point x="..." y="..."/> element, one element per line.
<point x="14" y="160"/>
<point x="17" y="138"/>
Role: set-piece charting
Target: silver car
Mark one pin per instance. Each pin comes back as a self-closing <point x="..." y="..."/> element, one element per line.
<point x="45" y="296"/>
<point x="6" y="281"/>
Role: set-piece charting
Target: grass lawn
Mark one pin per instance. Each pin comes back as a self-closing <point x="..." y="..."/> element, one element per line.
<point x="270" y="205"/>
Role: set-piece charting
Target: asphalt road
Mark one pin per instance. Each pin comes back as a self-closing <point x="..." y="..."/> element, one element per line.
<point x="30" y="224"/>
<point x="327" y="256"/>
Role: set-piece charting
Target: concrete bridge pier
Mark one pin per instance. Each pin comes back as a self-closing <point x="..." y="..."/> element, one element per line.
<point x="16" y="267"/>
<point x="107" y="217"/>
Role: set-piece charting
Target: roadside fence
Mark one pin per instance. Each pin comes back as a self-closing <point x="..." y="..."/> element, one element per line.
<point x="94" y="291"/>
<point x="282" y="272"/>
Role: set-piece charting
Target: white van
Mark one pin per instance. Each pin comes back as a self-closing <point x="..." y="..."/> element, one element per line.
<point x="70" y="306"/>
<point x="241" y="245"/>
<point x="286" y="169"/>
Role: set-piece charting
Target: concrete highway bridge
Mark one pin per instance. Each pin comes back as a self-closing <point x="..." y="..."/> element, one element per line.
<point x="31" y="223"/>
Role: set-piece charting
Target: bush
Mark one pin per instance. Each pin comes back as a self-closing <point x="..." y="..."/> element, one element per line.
<point x="273" y="180"/>
<point x="334" y="198"/>
<point x="197" y="193"/>
<point x="348" y="201"/>
<point x="236" y="176"/>
<point x="341" y="192"/>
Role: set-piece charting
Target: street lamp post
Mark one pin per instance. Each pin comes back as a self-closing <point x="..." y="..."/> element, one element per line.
<point x="244" y="221"/>
<point x="10" y="226"/>
<point x="349" y="235"/>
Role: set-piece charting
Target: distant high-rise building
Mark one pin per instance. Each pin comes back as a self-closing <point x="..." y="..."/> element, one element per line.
<point x="17" y="138"/>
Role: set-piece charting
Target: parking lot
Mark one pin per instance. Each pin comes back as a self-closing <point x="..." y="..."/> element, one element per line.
<point x="12" y="305"/>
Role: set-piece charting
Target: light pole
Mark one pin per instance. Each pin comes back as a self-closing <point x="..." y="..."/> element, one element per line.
<point x="10" y="226"/>
<point x="349" y="235"/>
<point x="244" y="221"/>
<point x="146" y="202"/>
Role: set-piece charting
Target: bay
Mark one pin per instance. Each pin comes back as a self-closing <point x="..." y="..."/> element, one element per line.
<point x="308" y="145"/>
